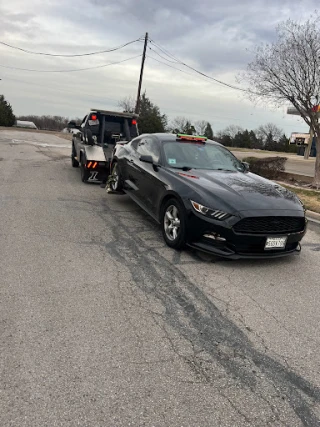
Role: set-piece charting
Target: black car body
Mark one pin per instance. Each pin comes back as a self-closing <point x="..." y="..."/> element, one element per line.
<point x="222" y="207"/>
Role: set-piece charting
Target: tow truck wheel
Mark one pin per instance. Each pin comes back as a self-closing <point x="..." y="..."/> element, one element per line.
<point x="74" y="161"/>
<point x="116" y="182"/>
<point x="84" y="171"/>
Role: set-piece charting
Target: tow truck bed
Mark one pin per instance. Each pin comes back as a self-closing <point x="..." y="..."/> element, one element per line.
<point x="94" y="140"/>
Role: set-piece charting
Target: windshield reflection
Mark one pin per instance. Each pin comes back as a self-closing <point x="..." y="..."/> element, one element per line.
<point x="186" y="155"/>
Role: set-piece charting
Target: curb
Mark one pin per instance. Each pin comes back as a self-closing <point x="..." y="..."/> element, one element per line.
<point x="313" y="217"/>
<point x="297" y="177"/>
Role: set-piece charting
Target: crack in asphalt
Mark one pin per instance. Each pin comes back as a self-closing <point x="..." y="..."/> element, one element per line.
<point x="189" y="312"/>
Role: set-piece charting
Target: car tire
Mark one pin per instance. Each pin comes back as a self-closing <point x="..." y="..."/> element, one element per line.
<point x="74" y="161"/>
<point x="173" y="223"/>
<point x="116" y="180"/>
<point x="84" y="172"/>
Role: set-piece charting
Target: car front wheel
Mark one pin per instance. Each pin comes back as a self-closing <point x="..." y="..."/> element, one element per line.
<point x="174" y="224"/>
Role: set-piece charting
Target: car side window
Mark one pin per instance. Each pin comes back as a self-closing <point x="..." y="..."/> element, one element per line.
<point x="149" y="147"/>
<point x="83" y="122"/>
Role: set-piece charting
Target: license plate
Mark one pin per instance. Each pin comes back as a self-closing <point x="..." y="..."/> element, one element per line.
<point x="276" y="242"/>
<point x="93" y="122"/>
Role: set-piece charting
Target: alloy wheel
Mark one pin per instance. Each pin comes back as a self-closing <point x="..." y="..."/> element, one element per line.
<point x="172" y="222"/>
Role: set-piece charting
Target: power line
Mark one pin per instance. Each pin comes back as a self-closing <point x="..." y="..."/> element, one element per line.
<point x="175" y="68"/>
<point x="71" y="55"/>
<point x="70" y="71"/>
<point x="168" y="65"/>
<point x="195" y="70"/>
<point x="166" y="59"/>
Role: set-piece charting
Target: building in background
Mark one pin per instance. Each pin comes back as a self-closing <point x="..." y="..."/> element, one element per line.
<point x="24" y="124"/>
<point x="302" y="141"/>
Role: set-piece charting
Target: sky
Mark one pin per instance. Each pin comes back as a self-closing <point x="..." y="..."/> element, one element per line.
<point x="215" y="37"/>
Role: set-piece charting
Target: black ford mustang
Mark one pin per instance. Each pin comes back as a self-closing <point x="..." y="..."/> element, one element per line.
<point x="206" y="198"/>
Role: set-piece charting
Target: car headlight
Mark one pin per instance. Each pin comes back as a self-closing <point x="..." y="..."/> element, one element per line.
<point x="303" y="205"/>
<point x="210" y="213"/>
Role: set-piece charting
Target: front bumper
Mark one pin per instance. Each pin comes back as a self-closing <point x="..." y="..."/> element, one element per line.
<point x="236" y="245"/>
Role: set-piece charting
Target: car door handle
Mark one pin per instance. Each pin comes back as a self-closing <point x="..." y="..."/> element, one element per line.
<point x="130" y="160"/>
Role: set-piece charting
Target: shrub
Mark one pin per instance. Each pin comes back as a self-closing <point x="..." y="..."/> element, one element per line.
<point x="7" y="117"/>
<point x="269" y="167"/>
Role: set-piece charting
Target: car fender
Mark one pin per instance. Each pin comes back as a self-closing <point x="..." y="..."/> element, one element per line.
<point x="168" y="195"/>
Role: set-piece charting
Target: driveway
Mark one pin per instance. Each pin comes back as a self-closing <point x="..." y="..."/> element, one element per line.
<point x="104" y="325"/>
<point x="295" y="164"/>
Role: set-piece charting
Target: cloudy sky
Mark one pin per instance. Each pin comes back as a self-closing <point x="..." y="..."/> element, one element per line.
<point x="215" y="37"/>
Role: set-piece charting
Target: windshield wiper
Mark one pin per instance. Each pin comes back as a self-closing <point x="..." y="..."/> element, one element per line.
<point x="184" y="168"/>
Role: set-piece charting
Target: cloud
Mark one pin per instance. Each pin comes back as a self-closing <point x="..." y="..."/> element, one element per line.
<point x="210" y="35"/>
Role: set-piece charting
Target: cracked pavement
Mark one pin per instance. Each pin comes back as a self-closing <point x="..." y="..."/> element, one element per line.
<point x="103" y="325"/>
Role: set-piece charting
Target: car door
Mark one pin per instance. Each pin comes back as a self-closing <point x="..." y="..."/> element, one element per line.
<point x="148" y="176"/>
<point x="128" y="164"/>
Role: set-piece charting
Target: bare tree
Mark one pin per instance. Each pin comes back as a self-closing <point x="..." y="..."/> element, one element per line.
<point x="230" y="130"/>
<point x="56" y="123"/>
<point x="127" y="104"/>
<point x="289" y="70"/>
<point x="269" y="130"/>
<point x="200" y="127"/>
<point x="181" y="125"/>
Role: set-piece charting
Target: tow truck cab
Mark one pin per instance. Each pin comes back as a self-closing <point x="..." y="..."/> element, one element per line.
<point x="94" y="140"/>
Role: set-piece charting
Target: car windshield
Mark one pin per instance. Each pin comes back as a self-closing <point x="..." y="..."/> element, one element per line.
<point x="186" y="155"/>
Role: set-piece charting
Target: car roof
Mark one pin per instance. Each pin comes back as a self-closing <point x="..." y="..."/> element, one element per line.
<point x="114" y="113"/>
<point x="167" y="137"/>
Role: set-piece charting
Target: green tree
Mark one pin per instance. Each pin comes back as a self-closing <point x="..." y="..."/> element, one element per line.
<point x="225" y="140"/>
<point x="150" y="118"/>
<point x="189" y="129"/>
<point x="283" y="144"/>
<point x="7" y="117"/>
<point x="242" y="139"/>
<point x="270" y="143"/>
<point x="208" y="131"/>
<point x="255" y="142"/>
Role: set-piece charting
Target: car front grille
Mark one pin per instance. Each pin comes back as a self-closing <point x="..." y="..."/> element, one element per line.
<point x="270" y="225"/>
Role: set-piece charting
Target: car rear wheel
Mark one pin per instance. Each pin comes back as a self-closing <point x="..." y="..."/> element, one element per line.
<point x="74" y="161"/>
<point x="174" y="224"/>
<point x="116" y="180"/>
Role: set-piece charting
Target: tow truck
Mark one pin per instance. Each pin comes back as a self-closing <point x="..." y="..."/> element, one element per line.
<point x="94" y="141"/>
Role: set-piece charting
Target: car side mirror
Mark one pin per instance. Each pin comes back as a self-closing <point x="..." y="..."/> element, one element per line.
<point x="72" y="125"/>
<point x="146" y="159"/>
<point x="246" y="166"/>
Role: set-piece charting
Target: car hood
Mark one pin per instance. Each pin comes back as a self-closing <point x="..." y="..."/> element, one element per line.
<point x="238" y="191"/>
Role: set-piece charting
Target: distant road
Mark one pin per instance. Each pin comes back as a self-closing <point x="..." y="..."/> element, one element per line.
<point x="295" y="164"/>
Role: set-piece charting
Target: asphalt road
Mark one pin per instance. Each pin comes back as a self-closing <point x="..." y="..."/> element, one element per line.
<point x="103" y="325"/>
<point x="295" y="164"/>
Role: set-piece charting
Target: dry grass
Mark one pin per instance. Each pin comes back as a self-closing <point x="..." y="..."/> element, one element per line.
<point x="310" y="198"/>
<point x="257" y="150"/>
<point x="67" y="136"/>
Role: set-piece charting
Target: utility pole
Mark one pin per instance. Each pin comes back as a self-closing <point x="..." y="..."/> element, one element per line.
<point x="141" y="73"/>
